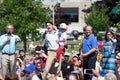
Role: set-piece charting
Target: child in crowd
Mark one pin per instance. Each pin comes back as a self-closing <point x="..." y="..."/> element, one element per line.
<point x="38" y="60"/>
<point x="22" y="54"/>
<point x="98" y="66"/>
<point x="77" y="63"/>
<point x="39" y="67"/>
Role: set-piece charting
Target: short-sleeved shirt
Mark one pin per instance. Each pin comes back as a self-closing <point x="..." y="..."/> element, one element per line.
<point x="63" y="36"/>
<point x="10" y="46"/>
<point x="88" y="43"/>
<point x="51" y="40"/>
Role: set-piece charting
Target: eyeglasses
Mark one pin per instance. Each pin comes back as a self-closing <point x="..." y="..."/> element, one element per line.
<point x="108" y="34"/>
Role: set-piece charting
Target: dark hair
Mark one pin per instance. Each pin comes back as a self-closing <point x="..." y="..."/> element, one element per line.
<point x="39" y="76"/>
<point x="21" y="51"/>
<point x="107" y="33"/>
<point x="11" y="76"/>
<point x="49" y="22"/>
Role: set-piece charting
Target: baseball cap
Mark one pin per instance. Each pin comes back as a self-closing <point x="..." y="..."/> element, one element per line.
<point x="63" y="26"/>
<point x="66" y="54"/>
<point x="21" y="50"/>
<point x="75" y="55"/>
<point x="29" y="67"/>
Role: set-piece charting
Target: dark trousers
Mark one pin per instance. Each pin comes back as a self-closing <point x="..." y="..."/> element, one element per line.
<point x="89" y="63"/>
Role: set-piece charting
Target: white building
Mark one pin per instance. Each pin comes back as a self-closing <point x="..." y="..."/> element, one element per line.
<point x="73" y="10"/>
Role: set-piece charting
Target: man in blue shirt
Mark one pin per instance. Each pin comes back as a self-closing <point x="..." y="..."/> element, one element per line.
<point x="88" y="51"/>
<point x="52" y="45"/>
<point x="8" y="45"/>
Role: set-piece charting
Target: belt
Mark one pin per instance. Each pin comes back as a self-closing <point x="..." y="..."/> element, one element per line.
<point x="52" y="50"/>
<point x="8" y="53"/>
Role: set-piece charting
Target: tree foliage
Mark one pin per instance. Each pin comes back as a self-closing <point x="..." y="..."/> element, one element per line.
<point x="25" y="15"/>
<point x="118" y="24"/>
<point x="97" y="18"/>
<point x="118" y="3"/>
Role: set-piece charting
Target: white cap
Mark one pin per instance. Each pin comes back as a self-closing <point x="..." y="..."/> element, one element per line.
<point x="63" y="26"/>
<point x="66" y="54"/>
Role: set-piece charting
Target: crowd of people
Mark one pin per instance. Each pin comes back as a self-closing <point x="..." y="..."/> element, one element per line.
<point x="97" y="59"/>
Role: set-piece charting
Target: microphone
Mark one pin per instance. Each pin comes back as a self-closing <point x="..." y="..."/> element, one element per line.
<point x="9" y="33"/>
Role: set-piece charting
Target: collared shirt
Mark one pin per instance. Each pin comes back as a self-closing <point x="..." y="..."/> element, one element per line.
<point x="88" y="43"/>
<point x="51" y="39"/>
<point x="9" y="47"/>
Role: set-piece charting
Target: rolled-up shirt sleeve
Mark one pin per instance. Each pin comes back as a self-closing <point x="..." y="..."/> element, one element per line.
<point x="18" y="37"/>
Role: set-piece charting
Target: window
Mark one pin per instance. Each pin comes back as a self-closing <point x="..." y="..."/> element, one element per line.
<point x="70" y="14"/>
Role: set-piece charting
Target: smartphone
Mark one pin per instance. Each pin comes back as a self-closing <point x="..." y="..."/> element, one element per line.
<point x="88" y="71"/>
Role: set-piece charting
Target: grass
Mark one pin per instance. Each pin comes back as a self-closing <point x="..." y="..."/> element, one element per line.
<point x="72" y="45"/>
<point x="71" y="49"/>
<point x="69" y="42"/>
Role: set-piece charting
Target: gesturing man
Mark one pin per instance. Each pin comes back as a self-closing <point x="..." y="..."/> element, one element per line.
<point x="8" y="45"/>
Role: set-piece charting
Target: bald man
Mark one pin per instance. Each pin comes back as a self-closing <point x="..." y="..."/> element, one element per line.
<point x="88" y="51"/>
<point x="8" y="45"/>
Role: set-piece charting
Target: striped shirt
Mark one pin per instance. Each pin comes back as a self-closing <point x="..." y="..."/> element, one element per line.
<point x="108" y="61"/>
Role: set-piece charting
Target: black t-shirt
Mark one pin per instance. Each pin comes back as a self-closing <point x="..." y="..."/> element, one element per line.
<point x="66" y="68"/>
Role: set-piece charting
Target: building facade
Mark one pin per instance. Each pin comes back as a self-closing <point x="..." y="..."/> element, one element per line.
<point x="72" y="11"/>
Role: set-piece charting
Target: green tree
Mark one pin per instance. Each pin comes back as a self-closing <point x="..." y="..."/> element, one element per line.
<point x="118" y="23"/>
<point x="25" y="15"/>
<point x="98" y="19"/>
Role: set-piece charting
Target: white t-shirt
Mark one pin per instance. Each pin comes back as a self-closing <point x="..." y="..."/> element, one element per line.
<point x="114" y="45"/>
<point x="35" y="77"/>
<point x="63" y="36"/>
